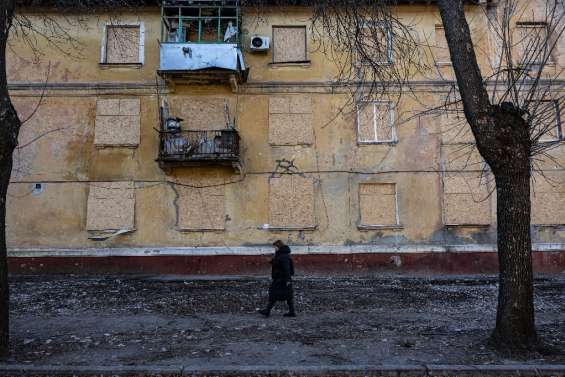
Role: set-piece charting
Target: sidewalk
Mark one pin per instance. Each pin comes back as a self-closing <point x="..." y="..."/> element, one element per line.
<point x="346" y="326"/>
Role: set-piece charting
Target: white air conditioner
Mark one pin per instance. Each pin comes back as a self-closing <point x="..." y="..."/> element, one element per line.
<point x="259" y="43"/>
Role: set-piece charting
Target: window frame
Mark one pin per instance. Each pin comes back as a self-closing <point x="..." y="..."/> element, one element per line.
<point x="306" y="61"/>
<point x="441" y="62"/>
<point x="526" y="25"/>
<point x="391" y="118"/>
<point x="141" y="44"/>
<point x="389" y="41"/>
<point x="397" y="225"/>
<point x="559" y="125"/>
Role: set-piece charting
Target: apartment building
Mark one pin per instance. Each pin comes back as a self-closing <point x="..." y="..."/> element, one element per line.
<point x="188" y="136"/>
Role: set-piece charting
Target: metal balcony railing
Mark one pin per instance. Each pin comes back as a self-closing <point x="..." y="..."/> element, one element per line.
<point x="181" y="147"/>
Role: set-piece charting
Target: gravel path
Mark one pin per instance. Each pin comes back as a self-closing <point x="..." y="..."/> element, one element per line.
<point x="69" y="320"/>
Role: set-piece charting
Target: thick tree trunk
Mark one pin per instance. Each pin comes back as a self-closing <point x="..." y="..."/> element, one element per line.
<point x="504" y="142"/>
<point x="515" y="323"/>
<point x="9" y="129"/>
<point x="5" y="170"/>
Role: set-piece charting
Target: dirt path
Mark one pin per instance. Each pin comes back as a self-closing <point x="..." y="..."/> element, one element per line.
<point x="165" y="321"/>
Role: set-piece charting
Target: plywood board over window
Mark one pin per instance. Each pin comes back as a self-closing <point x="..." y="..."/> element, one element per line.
<point x="532" y="42"/>
<point x="201" y="113"/>
<point x="548" y="199"/>
<point x="378" y="205"/>
<point x="290" y="120"/>
<point x="292" y="202"/>
<point x="440" y="48"/>
<point x="123" y="44"/>
<point x="466" y="199"/>
<point x="117" y="122"/>
<point x="289" y="44"/>
<point x="111" y="207"/>
<point x="201" y="209"/>
<point x="546" y="118"/>
<point x="375" y="123"/>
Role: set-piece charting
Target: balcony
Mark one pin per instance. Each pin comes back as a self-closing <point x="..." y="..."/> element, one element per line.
<point x="200" y="42"/>
<point x="197" y="148"/>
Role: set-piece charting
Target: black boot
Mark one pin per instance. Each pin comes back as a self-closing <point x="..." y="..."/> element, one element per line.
<point x="291" y="312"/>
<point x="267" y="311"/>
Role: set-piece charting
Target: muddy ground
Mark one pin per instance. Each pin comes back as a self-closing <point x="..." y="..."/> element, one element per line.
<point x="72" y="320"/>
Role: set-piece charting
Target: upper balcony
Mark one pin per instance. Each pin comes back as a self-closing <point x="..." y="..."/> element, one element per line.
<point x="200" y="42"/>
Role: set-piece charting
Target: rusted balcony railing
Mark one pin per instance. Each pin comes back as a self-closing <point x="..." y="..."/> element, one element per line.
<point x="190" y="148"/>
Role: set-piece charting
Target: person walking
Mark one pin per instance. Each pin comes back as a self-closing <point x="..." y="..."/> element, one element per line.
<point x="281" y="286"/>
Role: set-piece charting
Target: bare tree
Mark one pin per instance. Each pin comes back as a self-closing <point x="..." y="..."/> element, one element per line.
<point x="512" y="126"/>
<point x="509" y="130"/>
<point x="50" y="27"/>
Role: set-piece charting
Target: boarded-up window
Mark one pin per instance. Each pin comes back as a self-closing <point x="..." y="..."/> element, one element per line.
<point x="532" y="43"/>
<point x="201" y="209"/>
<point x="117" y="122"/>
<point x="291" y="202"/>
<point x="375" y="45"/>
<point x="466" y="199"/>
<point x="440" y="50"/>
<point x="289" y="44"/>
<point x="375" y="122"/>
<point x="378" y="205"/>
<point x="201" y="113"/>
<point x="546" y="119"/>
<point x="290" y="120"/>
<point x="548" y="199"/>
<point x="454" y="127"/>
<point x="111" y="206"/>
<point x="123" y="44"/>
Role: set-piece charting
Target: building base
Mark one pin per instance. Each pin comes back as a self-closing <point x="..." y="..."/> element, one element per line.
<point x="255" y="260"/>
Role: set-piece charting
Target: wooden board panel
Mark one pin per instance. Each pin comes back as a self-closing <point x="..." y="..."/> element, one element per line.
<point x="377" y="204"/>
<point x="466" y="209"/>
<point x="200" y="113"/>
<point x="122" y="44"/>
<point x="201" y="208"/>
<point x="289" y="44"/>
<point x="548" y="198"/>
<point x="440" y="49"/>
<point x="111" y="206"/>
<point x="290" y="120"/>
<point x="291" y="202"/>
<point x="117" y="122"/>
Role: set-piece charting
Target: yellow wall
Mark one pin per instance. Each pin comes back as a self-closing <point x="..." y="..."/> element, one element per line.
<point x="64" y="158"/>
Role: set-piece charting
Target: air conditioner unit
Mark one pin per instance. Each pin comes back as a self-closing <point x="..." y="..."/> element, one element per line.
<point x="259" y="43"/>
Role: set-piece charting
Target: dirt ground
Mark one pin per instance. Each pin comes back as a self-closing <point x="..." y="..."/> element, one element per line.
<point x="70" y="320"/>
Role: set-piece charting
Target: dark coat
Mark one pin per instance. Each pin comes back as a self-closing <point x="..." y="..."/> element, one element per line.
<point x="282" y="271"/>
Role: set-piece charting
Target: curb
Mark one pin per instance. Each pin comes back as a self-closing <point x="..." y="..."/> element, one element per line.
<point x="431" y="370"/>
